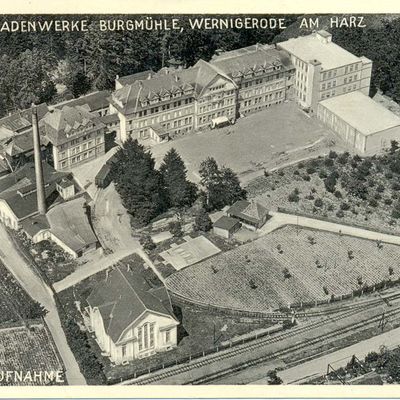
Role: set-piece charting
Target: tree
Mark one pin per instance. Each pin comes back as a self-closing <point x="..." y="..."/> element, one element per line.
<point x="222" y="186"/>
<point x="138" y="183"/>
<point x="175" y="227"/>
<point x="147" y="242"/>
<point x="179" y="190"/>
<point x="202" y="221"/>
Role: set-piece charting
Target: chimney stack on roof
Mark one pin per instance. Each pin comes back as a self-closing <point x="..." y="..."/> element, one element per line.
<point x="41" y="196"/>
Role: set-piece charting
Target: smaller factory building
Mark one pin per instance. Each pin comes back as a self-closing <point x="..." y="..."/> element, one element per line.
<point x="365" y="125"/>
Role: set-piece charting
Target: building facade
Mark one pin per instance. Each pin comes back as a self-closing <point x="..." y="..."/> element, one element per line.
<point x="183" y="100"/>
<point x="324" y="69"/>
<point x="131" y="320"/>
<point x="75" y="134"/>
<point x="363" y="124"/>
<point x="263" y="75"/>
<point x="178" y="101"/>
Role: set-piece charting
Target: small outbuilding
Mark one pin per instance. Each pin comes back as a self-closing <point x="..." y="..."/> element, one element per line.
<point x="103" y="177"/>
<point x="226" y="226"/>
<point x="250" y="213"/>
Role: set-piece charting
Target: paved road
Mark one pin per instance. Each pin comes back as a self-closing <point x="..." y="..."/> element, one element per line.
<point x="91" y="268"/>
<point x="281" y="219"/>
<point x="317" y="367"/>
<point x="41" y="293"/>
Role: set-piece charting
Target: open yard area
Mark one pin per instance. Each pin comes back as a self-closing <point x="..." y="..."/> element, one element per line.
<point x="255" y="142"/>
<point x="289" y="265"/>
<point x="28" y="350"/>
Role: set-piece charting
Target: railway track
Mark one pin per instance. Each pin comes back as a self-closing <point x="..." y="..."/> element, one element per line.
<point x="258" y="343"/>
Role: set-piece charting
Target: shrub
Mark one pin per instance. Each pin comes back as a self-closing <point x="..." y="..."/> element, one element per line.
<point x="330" y="183"/>
<point x="338" y="194"/>
<point x="345" y="206"/>
<point x="318" y="202"/>
<point x="300" y="165"/>
<point x="340" y="214"/>
<point x="330" y="207"/>
<point x="332" y="154"/>
<point x="371" y="183"/>
<point x="281" y="173"/>
<point x="310" y="170"/>
<point x="328" y="162"/>
<point x="343" y="158"/>
<point x="356" y="158"/>
<point x="378" y="196"/>
<point x="396" y="186"/>
<point x="306" y="178"/>
<point x="147" y="242"/>
<point x="175" y="227"/>
<point x="373" y="203"/>
<point x="286" y="273"/>
<point x="388" y="175"/>
<point x="293" y="197"/>
<point x="273" y="378"/>
<point x="296" y="172"/>
<point x="296" y="191"/>
<point x="323" y="174"/>
<point x="388" y="201"/>
<point x="380" y="188"/>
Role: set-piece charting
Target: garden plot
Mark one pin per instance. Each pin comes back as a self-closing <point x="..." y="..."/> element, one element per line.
<point x="289" y="265"/>
<point x="28" y="349"/>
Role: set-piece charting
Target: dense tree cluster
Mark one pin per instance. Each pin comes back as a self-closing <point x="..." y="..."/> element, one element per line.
<point x="145" y="191"/>
<point x="90" y="60"/>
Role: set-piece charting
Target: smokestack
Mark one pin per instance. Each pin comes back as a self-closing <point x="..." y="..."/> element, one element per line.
<point x="41" y="197"/>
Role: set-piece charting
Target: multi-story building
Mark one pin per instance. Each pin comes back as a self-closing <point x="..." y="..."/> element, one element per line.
<point x="324" y="69"/>
<point x="178" y="101"/>
<point x="175" y="101"/>
<point x="263" y="75"/>
<point x="75" y="134"/>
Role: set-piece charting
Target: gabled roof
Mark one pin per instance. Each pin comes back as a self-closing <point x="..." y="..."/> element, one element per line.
<point x="69" y="223"/>
<point x="226" y="223"/>
<point x="248" y="210"/>
<point x="68" y="120"/>
<point x="129" y="98"/>
<point x="123" y="297"/>
<point x="92" y="102"/>
<point x="258" y="60"/>
<point x="18" y="189"/>
<point x="22" y="120"/>
<point x="138" y="76"/>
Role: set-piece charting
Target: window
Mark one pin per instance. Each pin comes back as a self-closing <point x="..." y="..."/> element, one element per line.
<point x="146" y="336"/>
<point x="123" y="350"/>
<point x="168" y="336"/>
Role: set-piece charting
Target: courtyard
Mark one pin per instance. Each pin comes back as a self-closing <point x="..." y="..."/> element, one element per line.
<point x="264" y="140"/>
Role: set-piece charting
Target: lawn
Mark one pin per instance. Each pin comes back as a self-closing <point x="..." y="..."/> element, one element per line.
<point x="289" y="265"/>
<point x="255" y="142"/>
<point x="365" y="193"/>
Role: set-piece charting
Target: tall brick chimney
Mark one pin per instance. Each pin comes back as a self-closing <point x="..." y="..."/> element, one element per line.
<point x="41" y="195"/>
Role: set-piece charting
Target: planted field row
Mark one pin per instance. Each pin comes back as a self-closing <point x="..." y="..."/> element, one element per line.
<point x="288" y="266"/>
